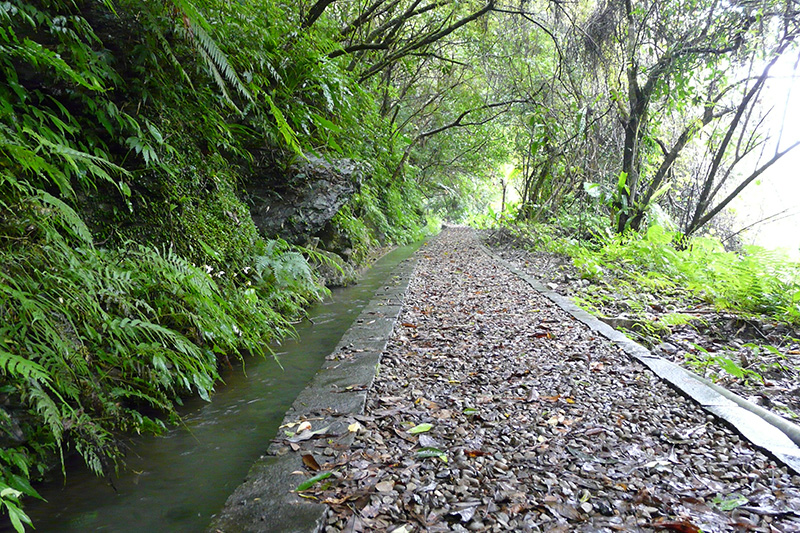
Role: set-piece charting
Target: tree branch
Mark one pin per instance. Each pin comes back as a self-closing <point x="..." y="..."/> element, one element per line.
<point x="425" y="40"/>
<point x="458" y="122"/>
<point x="724" y="203"/>
<point x="315" y="12"/>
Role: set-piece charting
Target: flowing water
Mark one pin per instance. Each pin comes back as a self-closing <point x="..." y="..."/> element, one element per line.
<point x="176" y="482"/>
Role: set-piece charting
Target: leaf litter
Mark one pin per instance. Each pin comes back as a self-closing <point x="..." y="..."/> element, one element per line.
<point x="595" y="448"/>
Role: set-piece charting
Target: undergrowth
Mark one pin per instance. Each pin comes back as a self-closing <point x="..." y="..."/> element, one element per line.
<point x="651" y="285"/>
<point x="753" y="281"/>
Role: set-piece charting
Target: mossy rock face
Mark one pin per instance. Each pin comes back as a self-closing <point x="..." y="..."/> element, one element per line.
<point x="298" y="203"/>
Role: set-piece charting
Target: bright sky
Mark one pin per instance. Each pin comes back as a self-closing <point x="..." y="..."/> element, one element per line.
<point x="779" y="187"/>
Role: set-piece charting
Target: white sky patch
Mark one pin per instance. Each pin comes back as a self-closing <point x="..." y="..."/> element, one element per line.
<point x="778" y="189"/>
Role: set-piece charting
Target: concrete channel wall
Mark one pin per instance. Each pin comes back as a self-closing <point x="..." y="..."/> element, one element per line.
<point x="264" y="502"/>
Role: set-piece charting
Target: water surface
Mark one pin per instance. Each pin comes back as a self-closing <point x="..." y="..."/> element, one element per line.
<point x="176" y="482"/>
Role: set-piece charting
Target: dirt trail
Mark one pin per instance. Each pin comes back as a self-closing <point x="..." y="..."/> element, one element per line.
<point x="544" y="426"/>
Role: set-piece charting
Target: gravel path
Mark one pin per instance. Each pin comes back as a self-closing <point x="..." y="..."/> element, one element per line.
<point x="535" y="425"/>
<point x="768" y="349"/>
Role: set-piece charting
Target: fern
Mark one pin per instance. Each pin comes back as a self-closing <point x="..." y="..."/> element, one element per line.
<point x="46" y="408"/>
<point x="198" y="29"/>
<point x="18" y="367"/>
<point x="68" y="215"/>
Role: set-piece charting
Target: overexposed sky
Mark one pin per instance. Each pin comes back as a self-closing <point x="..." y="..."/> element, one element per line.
<point x="778" y="189"/>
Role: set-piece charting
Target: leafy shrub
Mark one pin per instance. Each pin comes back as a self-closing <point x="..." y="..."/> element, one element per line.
<point x="752" y="281"/>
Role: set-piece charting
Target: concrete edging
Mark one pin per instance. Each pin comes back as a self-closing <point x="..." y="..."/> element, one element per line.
<point x="775" y="436"/>
<point x="264" y="501"/>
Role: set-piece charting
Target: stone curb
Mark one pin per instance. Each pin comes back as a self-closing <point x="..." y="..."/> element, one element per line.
<point x="779" y="439"/>
<point x="264" y="502"/>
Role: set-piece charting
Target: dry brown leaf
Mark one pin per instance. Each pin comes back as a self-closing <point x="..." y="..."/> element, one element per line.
<point x="682" y="526"/>
<point x="310" y="462"/>
<point x="474" y="453"/>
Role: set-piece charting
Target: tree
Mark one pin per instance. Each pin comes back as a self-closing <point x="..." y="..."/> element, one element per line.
<point x="668" y="61"/>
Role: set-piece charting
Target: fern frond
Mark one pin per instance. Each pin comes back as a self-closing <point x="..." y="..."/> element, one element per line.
<point x="16" y="366"/>
<point x="68" y="215"/>
<point x="215" y="74"/>
<point x="47" y="409"/>
<point x="286" y="130"/>
<point x="39" y="56"/>
<point x="200" y="30"/>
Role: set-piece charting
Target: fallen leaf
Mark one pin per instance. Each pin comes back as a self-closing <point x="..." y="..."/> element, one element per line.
<point x="310" y="482"/>
<point x="404" y="435"/>
<point x="310" y="462"/>
<point x="385" y="486"/>
<point x="466" y="514"/>
<point x="304" y="426"/>
<point x="308" y="434"/>
<point x="427" y="441"/>
<point x="427" y="403"/>
<point x="425" y="453"/>
<point x="474" y="453"/>
<point x="354" y="427"/>
<point x="351" y="388"/>
<point x="355" y="524"/>
<point x="420" y="428"/>
<point x="593" y="431"/>
<point x="682" y="526"/>
<point x="408" y="325"/>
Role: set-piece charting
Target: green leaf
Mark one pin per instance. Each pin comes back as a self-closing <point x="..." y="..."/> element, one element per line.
<point x="214" y="254"/>
<point x="17" y="516"/>
<point x="22" y="484"/>
<point x="429" y="451"/>
<point x="289" y="135"/>
<point x="421" y="428"/>
<point x="729" y="504"/>
<point x="310" y="482"/>
<point x="622" y="182"/>
<point x="730" y="367"/>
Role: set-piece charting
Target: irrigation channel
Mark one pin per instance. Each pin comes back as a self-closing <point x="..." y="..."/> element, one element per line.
<point x="176" y="482"/>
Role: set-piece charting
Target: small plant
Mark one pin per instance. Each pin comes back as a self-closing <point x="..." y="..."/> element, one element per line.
<point x="728" y="365"/>
<point x="728" y="503"/>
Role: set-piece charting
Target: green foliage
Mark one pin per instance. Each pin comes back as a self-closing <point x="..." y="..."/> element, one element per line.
<point x="705" y="360"/>
<point x="14" y="484"/>
<point x="129" y="265"/>
<point x="754" y="281"/>
<point x="99" y="341"/>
